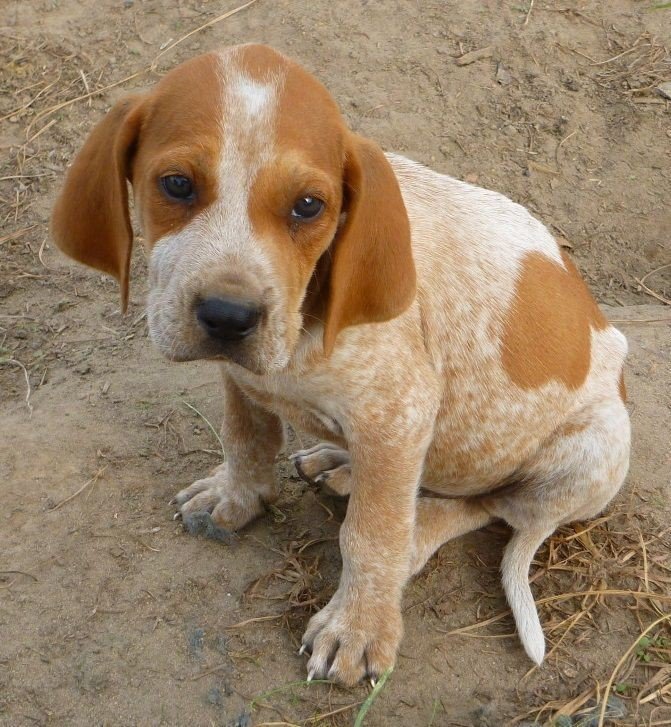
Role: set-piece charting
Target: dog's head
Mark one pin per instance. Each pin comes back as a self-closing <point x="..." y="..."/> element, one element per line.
<point x="260" y="210"/>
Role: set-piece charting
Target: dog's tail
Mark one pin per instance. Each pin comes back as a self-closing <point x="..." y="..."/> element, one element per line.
<point x="515" y="574"/>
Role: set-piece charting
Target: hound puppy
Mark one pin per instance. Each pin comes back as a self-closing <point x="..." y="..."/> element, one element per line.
<point x="432" y="334"/>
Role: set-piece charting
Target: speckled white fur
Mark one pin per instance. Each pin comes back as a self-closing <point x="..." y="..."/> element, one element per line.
<point x="468" y="245"/>
<point x="403" y="404"/>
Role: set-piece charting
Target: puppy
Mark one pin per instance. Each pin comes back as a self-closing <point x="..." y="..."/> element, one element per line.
<point x="429" y="333"/>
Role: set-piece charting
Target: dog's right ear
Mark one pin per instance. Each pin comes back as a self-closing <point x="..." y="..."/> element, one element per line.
<point x="90" y="221"/>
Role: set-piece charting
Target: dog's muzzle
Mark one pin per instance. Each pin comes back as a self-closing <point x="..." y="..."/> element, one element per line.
<point x="228" y="319"/>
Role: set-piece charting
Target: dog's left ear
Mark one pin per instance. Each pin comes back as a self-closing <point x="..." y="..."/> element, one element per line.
<point x="372" y="275"/>
<point x="90" y="221"/>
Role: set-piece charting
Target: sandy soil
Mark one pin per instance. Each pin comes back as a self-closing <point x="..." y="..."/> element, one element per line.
<point x="109" y="612"/>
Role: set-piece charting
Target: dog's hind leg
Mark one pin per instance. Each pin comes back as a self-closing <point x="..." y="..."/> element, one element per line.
<point x="572" y="477"/>
<point x="439" y="520"/>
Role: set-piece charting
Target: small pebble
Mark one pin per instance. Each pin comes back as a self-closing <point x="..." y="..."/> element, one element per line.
<point x="195" y="640"/>
<point x="664" y="89"/>
<point x="215" y="696"/>
<point x="503" y="75"/>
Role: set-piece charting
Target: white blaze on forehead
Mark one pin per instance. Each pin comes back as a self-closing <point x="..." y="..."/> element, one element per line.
<point x="249" y="108"/>
<point x="255" y="97"/>
<point x="247" y="130"/>
<point x="220" y="243"/>
<point x="222" y="235"/>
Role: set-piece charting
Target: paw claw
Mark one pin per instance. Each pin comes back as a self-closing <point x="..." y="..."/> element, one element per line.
<point x="301" y="473"/>
<point x="302" y="650"/>
<point x="173" y="501"/>
<point x="350" y="643"/>
<point x="311" y="675"/>
<point x="177" y="516"/>
<point x="215" y="506"/>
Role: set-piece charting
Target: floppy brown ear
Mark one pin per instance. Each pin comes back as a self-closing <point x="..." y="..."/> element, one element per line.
<point x="373" y="273"/>
<point x="90" y="220"/>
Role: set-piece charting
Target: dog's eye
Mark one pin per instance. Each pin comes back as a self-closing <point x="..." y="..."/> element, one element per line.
<point x="307" y="208"/>
<point x="177" y="186"/>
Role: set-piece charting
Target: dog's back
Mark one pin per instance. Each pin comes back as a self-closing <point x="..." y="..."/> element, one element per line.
<point x="518" y="342"/>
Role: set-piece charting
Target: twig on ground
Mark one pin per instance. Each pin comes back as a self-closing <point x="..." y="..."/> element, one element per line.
<point x="19" y="573"/>
<point x="16" y="233"/>
<point x="656" y="270"/>
<point x="14" y="362"/>
<point x="554" y="599"/>
<point x="89" y="482"/>
<point x="562" y="142"/>
<point x="210" y="426"/>
<point x="248" y="621"/>
<point x="651" y="292"/>
<point x="214" y="21"/>
<point x="531" y="7"/>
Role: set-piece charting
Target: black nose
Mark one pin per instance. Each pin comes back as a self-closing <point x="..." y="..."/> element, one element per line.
<point x="227" y="319"/>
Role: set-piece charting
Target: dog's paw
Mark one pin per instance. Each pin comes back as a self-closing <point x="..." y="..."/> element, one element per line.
<point x="349" y="641"/>
<point x="215" y="503"/>
<point x="325" y="465"/>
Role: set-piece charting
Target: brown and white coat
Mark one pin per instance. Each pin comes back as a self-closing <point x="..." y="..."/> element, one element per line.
<point x="430" y="333"/>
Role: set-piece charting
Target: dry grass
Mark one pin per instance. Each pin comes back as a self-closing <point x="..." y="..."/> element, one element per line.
<point x="91" y="481"/>
<point x="296" y="582"/>
<point x="587" y="577"/>
<point x="635" y="68"/>
<point x="587" y="574"/>
<point x="297" y="586"/>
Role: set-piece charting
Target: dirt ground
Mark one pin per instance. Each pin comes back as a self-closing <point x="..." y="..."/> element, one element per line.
<point x="109" y="613"/>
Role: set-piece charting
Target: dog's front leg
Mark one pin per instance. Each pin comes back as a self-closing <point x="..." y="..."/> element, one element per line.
<point x="238" y="490"/>
<point x="357" y="634"/>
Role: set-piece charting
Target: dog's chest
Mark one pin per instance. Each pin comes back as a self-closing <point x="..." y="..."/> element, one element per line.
<point x="291" y="400"/>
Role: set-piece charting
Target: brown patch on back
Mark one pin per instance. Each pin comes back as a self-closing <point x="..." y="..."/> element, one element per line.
<point x="580" y="290"/>
<point x="547" y="332"/>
